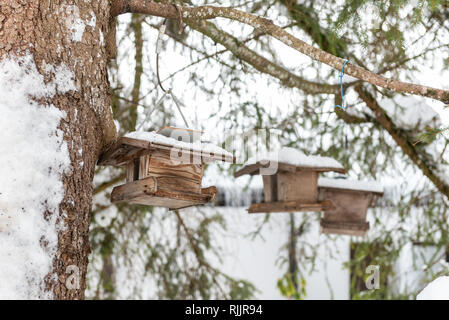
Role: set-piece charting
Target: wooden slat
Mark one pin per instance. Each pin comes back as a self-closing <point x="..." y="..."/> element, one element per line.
<point x="142" y="144"/>
<point x="170" y="168"/>
<point x="349" y="207"/>
<point x="205" y="157"/>
<point x="253" y="169"/>
<point x="352" y="229"/>
<point x="123" y="151"/>
<point x="130" y="172"/>
<point x="298" y="186"/>
<point x="285" y="167"/>
<point x="210" y="192"/>
<point x="377" y="194"/>
<point x="292" y="168"/>
<point x="144" y="166"/>
<point x="270" y="188"/>
<point x="112" y="154"/>
<point x="288" y="206"/>
<point x="348" y="215"/>
<point x="151" y="191"/>
<point x="157" y="201"/>
<point x="134" y="189"/>
<point x="130" y="156"/>
<point x="323" y="169"/>
<point x="176" y="176"/>
<point x="127" y="148"/>
<point x="175" y="184"/>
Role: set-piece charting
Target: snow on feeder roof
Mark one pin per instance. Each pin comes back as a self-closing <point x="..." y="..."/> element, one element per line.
<point x="188" y="135"/>
<point x="290" y="159"/>
<point x="163" y="171"/>
<point x="290" y="180"/>
<point x="196" y="146"/>
<point x="348" y="184"/>
<point x="350" y="201"/>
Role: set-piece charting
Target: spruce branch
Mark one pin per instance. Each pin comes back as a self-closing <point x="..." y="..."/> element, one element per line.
<point x="267" y="26"/>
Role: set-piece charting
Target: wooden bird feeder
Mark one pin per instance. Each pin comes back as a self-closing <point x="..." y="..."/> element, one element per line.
<point x="161" y="170"/>
<point x="350" y="200"/>
<point x="293" y="187"/>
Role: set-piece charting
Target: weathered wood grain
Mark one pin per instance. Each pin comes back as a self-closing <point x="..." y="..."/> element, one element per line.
<point x="126" y="149"/>
<point x="348" y="215"/>
<point x="171" y="168"/>
<point x="133" y="189"/>
<point x="129" y="172"/>
<point x="344" y="228"/>
<point x="270" y="188"/>
<point x="144" y="164"/>
<point x="156" y="191"/>
<point x="298" y="186"/>
<point x="288" y="206"/>
<point x="253" y="169"/>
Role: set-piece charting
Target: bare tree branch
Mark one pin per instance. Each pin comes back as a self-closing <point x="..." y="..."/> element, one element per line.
<point x="267" y="26"/>
<point x="260" y="63"/>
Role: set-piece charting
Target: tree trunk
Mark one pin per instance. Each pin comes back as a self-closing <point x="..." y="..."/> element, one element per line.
<point x="63" y="33"/>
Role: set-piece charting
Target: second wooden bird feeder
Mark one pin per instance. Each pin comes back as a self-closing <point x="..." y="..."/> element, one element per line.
<point x="350" y="201"/>
<point x="294" y="185"/>
<point x="161" y="170"/>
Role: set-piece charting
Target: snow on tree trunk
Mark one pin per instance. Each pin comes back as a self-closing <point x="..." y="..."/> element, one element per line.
<point x="55" y="119"/>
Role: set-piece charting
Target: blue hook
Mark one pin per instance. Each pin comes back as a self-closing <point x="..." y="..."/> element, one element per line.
<point x="341" y="87"/>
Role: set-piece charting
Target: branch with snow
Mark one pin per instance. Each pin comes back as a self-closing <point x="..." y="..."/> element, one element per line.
<point x="427" y="165"/>
<point x="267" y="26"/>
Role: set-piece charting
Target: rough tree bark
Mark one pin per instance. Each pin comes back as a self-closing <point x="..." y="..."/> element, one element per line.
<point x="44" y="28"/>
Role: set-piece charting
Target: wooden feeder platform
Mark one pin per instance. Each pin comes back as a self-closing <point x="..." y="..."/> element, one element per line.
<point x="288" y="206"/>
<point x="351" y="200"/>
<point x="292" y="188"/>
<point x="161" y="192"/>
<point x="161" y="174"/>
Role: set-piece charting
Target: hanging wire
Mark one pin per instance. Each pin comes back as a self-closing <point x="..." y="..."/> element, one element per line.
<point x="150" y="111"/>
<point x="341" y="87"/>
<point x="180" y="17"/>
<point x="162" y="29"/>
<point x="177" y="103"/>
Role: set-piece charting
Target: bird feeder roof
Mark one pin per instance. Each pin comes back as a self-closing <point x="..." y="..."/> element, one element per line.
<point x="353" y="185"/>
<point x="136" y="144"/>
<point x="290" y="160"/>
<point x="192" y="134"/>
